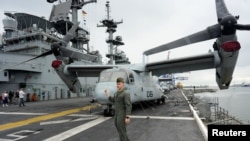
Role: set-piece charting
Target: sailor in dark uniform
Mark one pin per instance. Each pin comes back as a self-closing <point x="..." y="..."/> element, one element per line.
<point x="123" y="108"/>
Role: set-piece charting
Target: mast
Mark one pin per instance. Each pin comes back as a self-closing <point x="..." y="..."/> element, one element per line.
<point x="59" y="16"/>
<point x="76" y="5"/>
<point x="111" y="29"/>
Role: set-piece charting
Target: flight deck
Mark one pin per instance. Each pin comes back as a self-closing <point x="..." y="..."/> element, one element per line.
<point x="78" y="119"/>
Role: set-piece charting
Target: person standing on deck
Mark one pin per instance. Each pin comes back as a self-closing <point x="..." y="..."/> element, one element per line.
<point x="21" y="97"/>
<point x="123" y="108"/>
<point x="5" y="99"/>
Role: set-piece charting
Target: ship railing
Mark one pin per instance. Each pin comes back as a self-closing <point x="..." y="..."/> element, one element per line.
<point x="201" y="125"/>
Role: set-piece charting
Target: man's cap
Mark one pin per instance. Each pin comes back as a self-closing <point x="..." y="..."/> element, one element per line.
<point x="119" y="79"/>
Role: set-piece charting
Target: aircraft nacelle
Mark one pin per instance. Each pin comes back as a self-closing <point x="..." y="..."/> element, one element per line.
<point x="71" y="80"/>
<point x="228" y="52"/>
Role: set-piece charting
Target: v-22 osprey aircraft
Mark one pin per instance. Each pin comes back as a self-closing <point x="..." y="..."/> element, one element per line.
<point x="142" y="79"/>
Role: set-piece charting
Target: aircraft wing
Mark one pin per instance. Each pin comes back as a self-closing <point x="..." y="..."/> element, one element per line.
<point x="86" y="70"/>
<point x="199" y="62"/>
<point x="76" y="54"/>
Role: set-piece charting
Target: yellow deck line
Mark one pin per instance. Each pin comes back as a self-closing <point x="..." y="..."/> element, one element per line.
<point x="43" y="117"/>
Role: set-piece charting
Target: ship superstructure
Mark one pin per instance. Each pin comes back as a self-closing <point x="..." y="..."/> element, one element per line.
<point x="27" y="36"/>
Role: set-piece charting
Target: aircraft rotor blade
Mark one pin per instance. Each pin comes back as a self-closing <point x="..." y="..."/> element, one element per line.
<point x="66" y="39"/>
<point x="211" y="32"/>
<point x="70" y="34"/>
<point x="41" y="55"/>
<point x="227" y="21"/>
<point x="221" y="9"/>
<point x="242" y="27"/>
<point x="75" y="54"/>
<point x="227" y="25"/>
<point x="56" y="46"/>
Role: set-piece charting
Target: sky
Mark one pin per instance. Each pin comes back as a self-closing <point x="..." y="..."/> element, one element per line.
<point x="150" y="23"/>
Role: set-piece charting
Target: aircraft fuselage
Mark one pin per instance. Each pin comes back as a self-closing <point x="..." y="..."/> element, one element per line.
<point x="142" y="86"/>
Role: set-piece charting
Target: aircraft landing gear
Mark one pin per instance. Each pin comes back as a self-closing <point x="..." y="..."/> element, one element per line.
<point x="109" y="111"/>
<point x="161" y="100"/>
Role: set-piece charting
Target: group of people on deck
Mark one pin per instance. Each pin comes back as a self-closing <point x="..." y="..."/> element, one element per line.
<point x="12" y="97"/>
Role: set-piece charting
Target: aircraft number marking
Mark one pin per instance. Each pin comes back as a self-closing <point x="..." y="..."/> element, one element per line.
<point x="150" y="94"/>
<point x="19" y="135"/>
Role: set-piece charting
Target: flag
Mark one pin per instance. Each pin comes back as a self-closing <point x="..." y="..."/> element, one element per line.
<point x="84" y="13"/>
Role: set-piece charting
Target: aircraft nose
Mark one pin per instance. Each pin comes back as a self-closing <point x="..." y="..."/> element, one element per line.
<point x="99" y="91"/>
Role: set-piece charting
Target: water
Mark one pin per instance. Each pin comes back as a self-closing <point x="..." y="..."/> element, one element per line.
<point x="236" y="100"/>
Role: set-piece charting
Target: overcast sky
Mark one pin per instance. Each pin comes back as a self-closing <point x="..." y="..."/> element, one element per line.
<point x="150" y="23"/>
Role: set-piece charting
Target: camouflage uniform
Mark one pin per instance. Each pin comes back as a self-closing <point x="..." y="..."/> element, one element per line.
<point x="123" y="107"/>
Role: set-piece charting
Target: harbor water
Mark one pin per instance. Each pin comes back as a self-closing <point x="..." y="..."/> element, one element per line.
<point x="235" y="99"/>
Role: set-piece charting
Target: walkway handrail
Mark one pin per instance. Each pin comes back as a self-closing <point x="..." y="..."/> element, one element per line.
<point x="201" y="125"/>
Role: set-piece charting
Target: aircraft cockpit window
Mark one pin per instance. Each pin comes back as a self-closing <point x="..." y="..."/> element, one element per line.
<point x="112" y="76"/>
<point x="105" y="76"/>
<point x="131" y="78"/>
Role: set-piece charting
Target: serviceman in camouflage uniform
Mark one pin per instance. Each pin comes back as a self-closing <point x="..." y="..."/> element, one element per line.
<point x="123" y="108"/>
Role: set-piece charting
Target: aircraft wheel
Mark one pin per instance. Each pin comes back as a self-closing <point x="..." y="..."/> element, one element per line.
<point x="105" y="112"/>
<point x="111" y="112"/>
<point x="163" y="100"/>
<point x="158" y="101"/>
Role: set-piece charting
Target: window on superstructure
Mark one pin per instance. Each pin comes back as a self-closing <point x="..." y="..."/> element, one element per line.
<point x="5" y="74"/>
